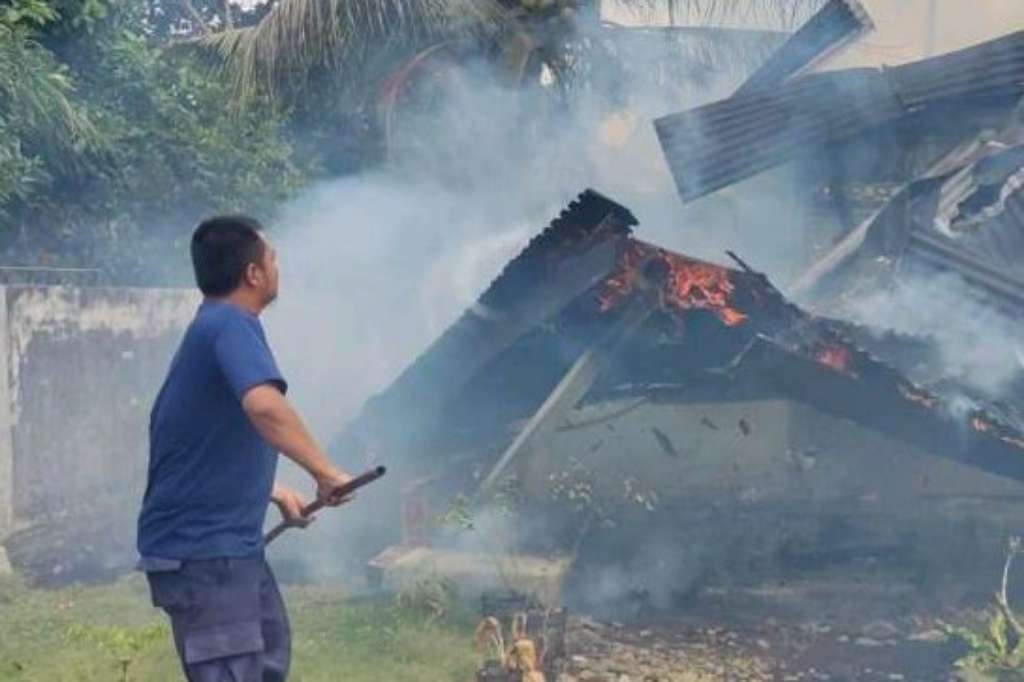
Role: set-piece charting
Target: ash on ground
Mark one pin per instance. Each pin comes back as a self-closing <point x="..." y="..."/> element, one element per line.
<point x="855" y="632"/>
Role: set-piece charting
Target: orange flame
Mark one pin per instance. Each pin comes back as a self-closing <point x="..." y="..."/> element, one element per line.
<point x="984" y="425"/>
<point x="836" y="357"/>
<point x="689" y="285"/>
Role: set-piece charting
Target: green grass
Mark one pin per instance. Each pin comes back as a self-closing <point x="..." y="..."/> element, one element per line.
<point x="78" y="634"/>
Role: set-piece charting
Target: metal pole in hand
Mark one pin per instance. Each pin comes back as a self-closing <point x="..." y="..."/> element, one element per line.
<point x="342" y="492"/>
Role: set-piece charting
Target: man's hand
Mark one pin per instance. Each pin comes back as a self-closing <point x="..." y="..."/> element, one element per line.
<point x="290" y="504"/>
<point x="327" y="486"/>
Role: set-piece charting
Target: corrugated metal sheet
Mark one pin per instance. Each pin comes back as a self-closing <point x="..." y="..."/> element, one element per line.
<point x="943" y="253"/>
<point x="925" y="224"/>
<point x="1001" y="238"/>
<point x="836" y="23"/>
<point x="727" y="141"/>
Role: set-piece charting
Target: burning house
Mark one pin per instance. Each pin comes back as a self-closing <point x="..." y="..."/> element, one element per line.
<point x="660" y="419"/>
<point x="600" y="376"/>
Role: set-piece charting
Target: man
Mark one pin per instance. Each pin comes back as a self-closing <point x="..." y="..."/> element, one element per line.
<point x="216" y="426"/>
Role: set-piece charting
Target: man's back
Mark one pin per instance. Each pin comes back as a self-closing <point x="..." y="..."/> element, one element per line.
<point x="210" y="472"/>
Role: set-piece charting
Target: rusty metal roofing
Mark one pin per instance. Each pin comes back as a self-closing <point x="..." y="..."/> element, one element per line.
<point x="836" y="23"/>
<point x="965" y="214"/>
<point x="719" y="144"/>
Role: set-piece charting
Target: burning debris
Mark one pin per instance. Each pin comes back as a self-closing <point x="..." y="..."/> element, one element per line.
<point x="614" y="384"/>
<point x="591" y="340"/>
<point x="686" y="284"/>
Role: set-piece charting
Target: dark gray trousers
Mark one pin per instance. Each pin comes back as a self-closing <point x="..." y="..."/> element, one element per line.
<point x="228" y="619"/>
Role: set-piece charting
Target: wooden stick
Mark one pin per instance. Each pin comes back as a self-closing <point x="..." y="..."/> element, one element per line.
<point x="344" y="491"/>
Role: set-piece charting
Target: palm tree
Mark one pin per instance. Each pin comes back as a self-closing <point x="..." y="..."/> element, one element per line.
<point x="301" y="37"/>
<point x="43" y="130"/>
<point x="298" y="38"/>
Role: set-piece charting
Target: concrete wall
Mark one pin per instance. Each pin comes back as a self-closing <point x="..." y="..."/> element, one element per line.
<point x="80" y="369"/>
<point x="771" y="451"/>
<point x="757" y="488"/>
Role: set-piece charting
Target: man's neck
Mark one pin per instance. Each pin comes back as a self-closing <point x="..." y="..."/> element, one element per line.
<point x="244" y="300"/>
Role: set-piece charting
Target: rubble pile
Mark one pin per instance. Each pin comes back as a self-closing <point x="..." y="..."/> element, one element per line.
<point x="903" y="649"/>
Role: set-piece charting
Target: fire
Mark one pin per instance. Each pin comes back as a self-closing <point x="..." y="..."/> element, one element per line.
<point x="836" y="357"/>
<point x="688" y="285"/>
<point x="979" y="424"/>
<point x="984" y="425"/>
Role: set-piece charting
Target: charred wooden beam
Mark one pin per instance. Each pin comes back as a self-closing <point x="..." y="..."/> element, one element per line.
<point x="879" y="397"/>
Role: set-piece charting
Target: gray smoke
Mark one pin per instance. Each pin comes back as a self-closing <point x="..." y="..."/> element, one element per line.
<point x="979" y="345"/>
<point x="376" y="266"/>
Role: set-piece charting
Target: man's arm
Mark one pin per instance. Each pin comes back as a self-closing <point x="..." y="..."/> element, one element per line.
<point x="280" y="425"/>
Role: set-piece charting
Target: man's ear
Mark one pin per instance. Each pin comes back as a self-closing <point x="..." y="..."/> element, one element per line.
<point x="251" y="274"/>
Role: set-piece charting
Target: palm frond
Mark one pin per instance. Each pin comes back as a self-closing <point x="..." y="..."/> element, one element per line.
<point x="278" y="55"/>
<point x="43" y="131"/>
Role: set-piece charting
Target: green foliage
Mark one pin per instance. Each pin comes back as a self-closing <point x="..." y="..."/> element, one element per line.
<point x="123" y="644"/>
<point x="989" y="649"/>
<point x="458" y="516"/>
<point x="110" y="150"/>
<point x="998" y="647"/>
<point x="38" y="116"/>
<point x="576" y="487"/>
<point x="430" y="598"/>
<point x="27" y="13"/>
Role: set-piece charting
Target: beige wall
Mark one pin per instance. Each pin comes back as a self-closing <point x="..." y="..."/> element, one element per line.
<point x="79" y="368"/>
<point x="903" y="29"/>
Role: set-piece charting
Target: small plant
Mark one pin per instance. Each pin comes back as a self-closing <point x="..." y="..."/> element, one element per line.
<point x="458" y="515"/>
<point x="432" y="598"/>
<point x="998" y="648"/>
<point x="124" y="644"/>
<point x="576" y="487"/>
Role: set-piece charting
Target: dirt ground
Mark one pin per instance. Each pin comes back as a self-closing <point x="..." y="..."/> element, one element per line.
<point x="814" y="630"/>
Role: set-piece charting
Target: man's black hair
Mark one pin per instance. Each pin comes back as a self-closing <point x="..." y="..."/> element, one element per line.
<point x="222" y="247"/>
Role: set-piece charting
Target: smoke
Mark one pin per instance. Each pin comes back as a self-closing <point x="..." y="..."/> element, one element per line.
<point x="979" y="345"/>
<point x="376" y="266"/>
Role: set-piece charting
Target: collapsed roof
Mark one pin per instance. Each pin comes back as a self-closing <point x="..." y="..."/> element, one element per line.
<point x="964" y="214"/>
<point x="659" y="319"/>
<point x="757" y="129"/>
<point x="836" y="23"/>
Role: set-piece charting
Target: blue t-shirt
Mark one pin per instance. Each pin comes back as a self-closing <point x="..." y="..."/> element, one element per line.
<point x="210" y="472"/>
